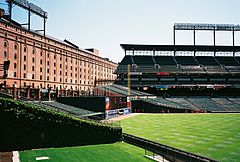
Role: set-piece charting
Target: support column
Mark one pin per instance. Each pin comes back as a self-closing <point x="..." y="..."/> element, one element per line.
<point x="44" y="25"/>
<point x="49" y="93"/>
<point x="10" y="10"/>
<point x="14" y="92"/>
<point x="174" y="43"/>
<point x="233" y="41"/>
<point x="214" y="39"/>
<point x="39" y="94"/>
<point x="194" y="36"/>
<point x="65" y="91"/>
<point x="28" y="92"/>
<point x="57" y="92"/>
<point x="29" y="19"/>
<point x="194" y="40"/>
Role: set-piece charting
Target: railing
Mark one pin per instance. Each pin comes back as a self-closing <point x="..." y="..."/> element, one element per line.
<point x="167" y="152"/>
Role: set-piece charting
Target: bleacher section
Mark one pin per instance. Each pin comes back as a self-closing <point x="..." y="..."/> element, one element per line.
<point x="186" y="60"/>
<point x="121" y="90"/>
<point x="206" y="104"/>
<point x="227" y="104"/>
<point x="179" y="64"/>
<point x="56" y="106"/>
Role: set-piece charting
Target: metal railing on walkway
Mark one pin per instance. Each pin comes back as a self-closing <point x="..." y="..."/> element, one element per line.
<point x="167" y="152"/>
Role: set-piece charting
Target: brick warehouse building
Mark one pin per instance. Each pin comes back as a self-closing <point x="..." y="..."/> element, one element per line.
<point x="44" y="62"/>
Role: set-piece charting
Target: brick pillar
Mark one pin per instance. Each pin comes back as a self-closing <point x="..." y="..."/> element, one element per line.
<point x="49" y="94"/>
<point x="39" y="93"/>
<point x="28" y="92"/>
<point x="65" y="92"/>
<point x="57" y="92"/>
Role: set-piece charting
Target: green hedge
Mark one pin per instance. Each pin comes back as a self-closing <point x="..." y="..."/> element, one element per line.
<point x="25" y="126"/>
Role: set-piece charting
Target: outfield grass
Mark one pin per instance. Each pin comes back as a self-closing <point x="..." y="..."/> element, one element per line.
<point x="215" y="136"/>
<point x="117" y="152"/>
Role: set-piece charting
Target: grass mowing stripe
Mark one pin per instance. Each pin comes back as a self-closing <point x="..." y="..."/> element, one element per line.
<point x="213" y="135"/>
<point x="117" y="152"/>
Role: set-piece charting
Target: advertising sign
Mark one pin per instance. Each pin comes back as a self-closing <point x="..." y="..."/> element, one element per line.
<point x="107" y="104"/>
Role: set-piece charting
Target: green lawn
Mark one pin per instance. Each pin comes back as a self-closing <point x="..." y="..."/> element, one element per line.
<point x="215" y="136"/>
<point x="118" y="152"/>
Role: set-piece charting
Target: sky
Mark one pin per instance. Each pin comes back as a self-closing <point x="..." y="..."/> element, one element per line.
<point x="105" y="24"/>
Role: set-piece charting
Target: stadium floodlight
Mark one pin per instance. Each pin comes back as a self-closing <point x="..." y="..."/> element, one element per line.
<point x="29" y="6"/>
<point x="220" y="27"/>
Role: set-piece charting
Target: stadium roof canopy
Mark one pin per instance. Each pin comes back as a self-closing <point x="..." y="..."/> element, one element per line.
<point x="127" y="47"/>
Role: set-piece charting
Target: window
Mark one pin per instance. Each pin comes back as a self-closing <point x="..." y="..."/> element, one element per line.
<point x="71" y="67"/>
<point x="65" y="80"/>
<point x="47" y="70"/>
<point x="24" y="49"/>
<point x="15" y="65"/>
<point x="48" y="63"/>
<point x="33" y="51"/>
<point x="33" y="85"/>
<point x="60" y="79"/>
<point x="60" y="72"/>
<point x="41" y="61"/>
<point x="33" y="60"/>
<point x="41" y="53"/>
<point x="40" y="77"/>
<point x="54" y="79"/>
<point x="55" y="56"/>
<point x="24" y="66"/>
<point x="60" y="65"/>
<point x="40" y="69"/>
<point x="15" y="56"/>
<point x="47" y="77"/>
<point x="5" y="54"/>
<point x="5" y="44"/>
<point x="15" y="74"/>
<point x="32" y="68"/>
<point x="54" y="71"/>
<point x="25" y="58"/>
<point x="54" y="64"/>
<point x="24" y="75"/>
<point x="48" y="55"/>
<point x="66" y="73"/>
<point x="32" y="76"/>
<point x="15" y="46"/>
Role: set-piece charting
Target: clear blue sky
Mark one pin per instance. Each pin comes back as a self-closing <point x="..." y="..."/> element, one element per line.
<point x="104" y="24"/>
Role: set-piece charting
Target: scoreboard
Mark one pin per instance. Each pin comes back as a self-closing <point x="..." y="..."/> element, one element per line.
<point x="117" y="105"/>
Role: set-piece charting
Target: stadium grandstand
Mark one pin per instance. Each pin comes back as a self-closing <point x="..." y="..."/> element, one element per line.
<point x="190" y="77"/>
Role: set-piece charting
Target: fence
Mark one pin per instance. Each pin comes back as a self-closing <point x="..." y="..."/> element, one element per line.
<point x="167" y="152"/>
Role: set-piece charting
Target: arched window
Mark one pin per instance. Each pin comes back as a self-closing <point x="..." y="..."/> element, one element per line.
<point x="5" y="44"/>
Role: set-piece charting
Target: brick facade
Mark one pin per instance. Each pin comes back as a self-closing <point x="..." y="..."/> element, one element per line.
<point x="45" y="62"/>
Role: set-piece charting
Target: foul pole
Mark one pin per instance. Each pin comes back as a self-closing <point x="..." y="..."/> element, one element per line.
<point x="129" y="81"/>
